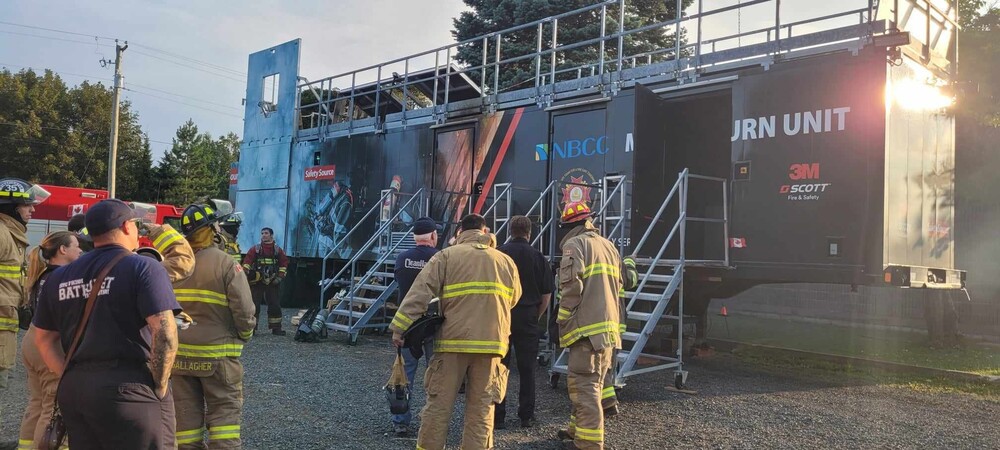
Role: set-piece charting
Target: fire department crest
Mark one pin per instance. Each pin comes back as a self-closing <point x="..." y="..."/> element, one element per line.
<point x="577" y="187"/>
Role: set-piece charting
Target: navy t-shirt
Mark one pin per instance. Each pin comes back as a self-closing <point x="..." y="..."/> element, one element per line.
<point x="408" y="266"/>
<point x="136" y="288"/>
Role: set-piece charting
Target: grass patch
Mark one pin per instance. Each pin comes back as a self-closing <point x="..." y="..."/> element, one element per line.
<point x="882" y="345"/>
<point x="828" y="371"/>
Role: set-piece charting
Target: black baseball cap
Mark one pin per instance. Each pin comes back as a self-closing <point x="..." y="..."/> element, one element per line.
<point x="106" y="215"/>
<point x="424" y="225"/>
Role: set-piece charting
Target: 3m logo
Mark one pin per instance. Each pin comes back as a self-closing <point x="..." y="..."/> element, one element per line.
<point x="316" y="173"/>
<point x="804" y="171"/>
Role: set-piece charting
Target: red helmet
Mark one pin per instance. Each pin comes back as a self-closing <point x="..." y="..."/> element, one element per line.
<point x="575" y="212"/>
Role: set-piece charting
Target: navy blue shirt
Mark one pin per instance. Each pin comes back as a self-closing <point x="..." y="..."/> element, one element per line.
<point x="408" y="266"/>
<point x="138" y="287"/>
<point x="533" y="270"/>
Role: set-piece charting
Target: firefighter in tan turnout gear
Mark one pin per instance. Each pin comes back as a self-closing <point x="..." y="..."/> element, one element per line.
<point x="477" y="286"/>
<point x="17" y="202"/>
<point x="589" y="322"/>
<point x="207" y="375"/>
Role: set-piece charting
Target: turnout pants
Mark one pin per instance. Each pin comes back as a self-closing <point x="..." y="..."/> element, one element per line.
<point x="486" y="384"/>
<point x="8" y="353"/>
<point x="42" y="385"/>
<point x="113" y="404"/>
<point x="268" y="294"/>
<point x="587" y="369"/>
<point x="524" y="340"/>
<point x="209" y="404"/>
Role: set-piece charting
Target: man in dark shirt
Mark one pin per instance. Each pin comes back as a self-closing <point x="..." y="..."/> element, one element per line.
<point x="408" y="266"/>
<point x="115" y="392"/>
<point x="536" y="291"/>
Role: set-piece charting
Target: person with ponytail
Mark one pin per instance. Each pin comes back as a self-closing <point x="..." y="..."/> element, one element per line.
<point x="57" y="249"/>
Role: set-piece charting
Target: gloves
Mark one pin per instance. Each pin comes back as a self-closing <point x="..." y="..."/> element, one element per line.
<point x="267" y="281"/>
<point x="184" y="321"/>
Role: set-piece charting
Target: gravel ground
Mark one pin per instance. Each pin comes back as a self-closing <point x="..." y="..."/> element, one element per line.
<point x="328" y="396"/>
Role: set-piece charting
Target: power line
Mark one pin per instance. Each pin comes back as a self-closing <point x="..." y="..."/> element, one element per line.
<point x="224" y="76"/>
<point x="182" y="103"/>
<point x="187" y="97"/>
<point x="150" y="48"/>
<point x="188" y="58"/>
<point x="54" y="30"/>
<point x="57" y="72"/>
<point x="95" y="43"/>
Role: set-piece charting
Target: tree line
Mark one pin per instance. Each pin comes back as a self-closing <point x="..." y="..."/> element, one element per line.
<point x="53" y="133"/>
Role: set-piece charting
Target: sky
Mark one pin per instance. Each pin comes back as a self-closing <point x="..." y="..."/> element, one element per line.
<point x="166" y="89"/>
<point x="187" y="59"/>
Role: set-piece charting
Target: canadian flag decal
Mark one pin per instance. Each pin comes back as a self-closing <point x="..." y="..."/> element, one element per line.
<point x="738" y="242"/>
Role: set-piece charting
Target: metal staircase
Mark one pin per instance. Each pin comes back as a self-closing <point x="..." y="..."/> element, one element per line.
<point x="363" y="297"/>
<point x="660" y="293"/>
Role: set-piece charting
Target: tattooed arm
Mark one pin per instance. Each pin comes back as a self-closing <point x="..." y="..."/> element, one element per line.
<point x="161" y="360"/>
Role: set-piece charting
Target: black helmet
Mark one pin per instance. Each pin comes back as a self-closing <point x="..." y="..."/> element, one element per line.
<point x="20" y="192"/>
<point x="197" y="216"/>
<point x="421" y="331"/>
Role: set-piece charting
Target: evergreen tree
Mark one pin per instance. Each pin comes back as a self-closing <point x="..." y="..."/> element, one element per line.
<point x="488" y="16"/>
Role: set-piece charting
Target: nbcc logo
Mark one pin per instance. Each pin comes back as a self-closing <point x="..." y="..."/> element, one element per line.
<point x="572" y="148"/>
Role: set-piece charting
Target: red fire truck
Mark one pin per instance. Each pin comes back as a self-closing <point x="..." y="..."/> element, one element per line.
<point x="65" y="202"/>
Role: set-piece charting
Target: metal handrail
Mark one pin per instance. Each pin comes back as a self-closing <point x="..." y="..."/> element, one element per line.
<point x="548" y="77"/>
<point x="327" y="282"/>
<point x="324" y="286"/>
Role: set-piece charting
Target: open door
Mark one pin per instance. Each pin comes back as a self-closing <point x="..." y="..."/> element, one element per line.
<point x="688" y="130"/>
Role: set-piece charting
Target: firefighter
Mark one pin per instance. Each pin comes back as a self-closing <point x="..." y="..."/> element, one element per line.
<point x="231" y="229"/>
<point x="17" y="203"/>
<point x="589" y="322"/>
<point x="178" y="257"/>
<point x="207" y="374"/>
<point x="267" y="265"/>
<point x="477" y="286"/>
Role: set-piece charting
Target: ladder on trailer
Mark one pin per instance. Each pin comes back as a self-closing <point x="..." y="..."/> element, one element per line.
<point x="661" y="285"/>
<point x="362" y="298"/>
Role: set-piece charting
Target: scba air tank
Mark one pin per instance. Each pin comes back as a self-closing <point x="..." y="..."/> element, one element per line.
<point x="319" y="322"/>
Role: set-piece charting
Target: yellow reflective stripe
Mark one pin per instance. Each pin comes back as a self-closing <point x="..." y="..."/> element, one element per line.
<point x="479" y="284"/>
<point x="246" y="335"/>
<point x="589" y="330"/>
<point x="6" y="268"/>
<point x="190" y="436"/>
<point x="7" y="324"/>
<point x="599" y="268"/>
<point x="589" y="434"/>
<point x="13" y="194"/>
<point x="201" y="296"/>
<point x="209" y="351"/>
<point x="622" y="328"/>
<point x="470" y="346"/>
<point x="166" y="238"/>
<point x="10" y="275"/>
<point x="202" y="292"/>
<point x="223" y="432"/>
<point x="564" y="313"/>
<point x="607" y="392"/>
<point x="401" y="321"/>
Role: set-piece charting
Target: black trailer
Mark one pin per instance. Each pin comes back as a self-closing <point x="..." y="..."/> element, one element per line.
<point x="821" y="151"/>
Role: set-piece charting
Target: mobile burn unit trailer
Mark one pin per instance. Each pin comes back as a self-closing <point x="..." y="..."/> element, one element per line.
<point x="817" y="149"/>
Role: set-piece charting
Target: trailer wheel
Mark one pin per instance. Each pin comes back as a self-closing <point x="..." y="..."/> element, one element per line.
<point x="554" y="381"/>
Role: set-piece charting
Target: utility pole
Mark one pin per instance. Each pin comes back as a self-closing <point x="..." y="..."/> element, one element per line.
<point x="119" y="81"/>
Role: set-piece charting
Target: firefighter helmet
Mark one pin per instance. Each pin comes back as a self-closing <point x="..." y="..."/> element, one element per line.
<point x="18" y="191"/>
<point x="196" y="217"/>
<point x="575" y="212"/>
